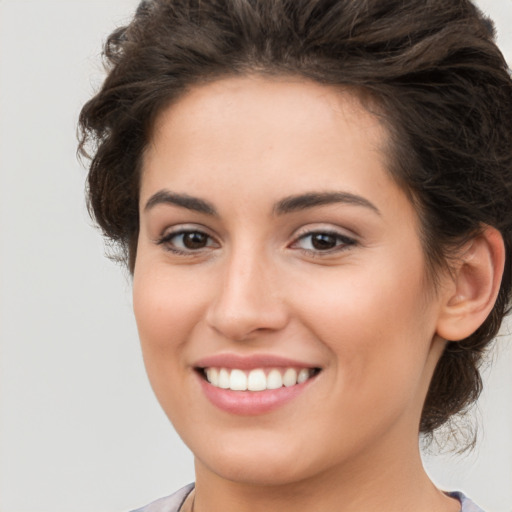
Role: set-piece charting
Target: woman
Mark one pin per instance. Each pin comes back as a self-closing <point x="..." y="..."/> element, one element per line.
<point x="314" y="200"/>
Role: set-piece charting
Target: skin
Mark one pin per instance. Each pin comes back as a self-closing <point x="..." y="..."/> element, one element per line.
<point x="362" y="311"/>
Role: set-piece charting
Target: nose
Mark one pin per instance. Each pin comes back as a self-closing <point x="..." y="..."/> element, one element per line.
<point x="248" y="302"/>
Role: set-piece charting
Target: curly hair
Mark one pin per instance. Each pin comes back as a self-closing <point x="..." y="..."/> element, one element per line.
<point x="430" y="69"/>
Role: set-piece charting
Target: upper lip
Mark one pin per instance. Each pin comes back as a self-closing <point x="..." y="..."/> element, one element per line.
<point x="250" y="362"/>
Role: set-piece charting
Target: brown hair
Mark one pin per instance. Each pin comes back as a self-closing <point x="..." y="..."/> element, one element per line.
<point x="430" y="66"/>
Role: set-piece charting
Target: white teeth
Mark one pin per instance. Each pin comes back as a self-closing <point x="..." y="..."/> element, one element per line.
<point x="274" y="380"/>
<point x="223" y="379"/>
<point x="212" y="374"/>
<point x="290" y="377"/>
<point x="303" y="376"/>
<point x="238" y="380"/>
<point x="257" y="379"/>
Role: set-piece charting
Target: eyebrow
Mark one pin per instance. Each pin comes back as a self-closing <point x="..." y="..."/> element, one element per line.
<point x="310" y="200"/>
<point x="287" y="205"/>
<point x="183" y="200"/>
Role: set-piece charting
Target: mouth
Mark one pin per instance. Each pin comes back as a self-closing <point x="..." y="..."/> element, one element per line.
<point x="257" y="379"/>
<point x="253" y="385"/>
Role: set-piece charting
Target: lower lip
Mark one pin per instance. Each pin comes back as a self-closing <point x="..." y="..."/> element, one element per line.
<point x="251" y="403"/>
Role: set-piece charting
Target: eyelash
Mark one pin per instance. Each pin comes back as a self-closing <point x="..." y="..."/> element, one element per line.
<point x="343" y="242"/>
<point x="166" y="239"/>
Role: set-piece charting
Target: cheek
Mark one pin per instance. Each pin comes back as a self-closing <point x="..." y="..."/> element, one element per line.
<point x="166" y="305"/>
<point x="376" y="322"/>
<point x="167" y="309"/>
<point x="363" y="303"/>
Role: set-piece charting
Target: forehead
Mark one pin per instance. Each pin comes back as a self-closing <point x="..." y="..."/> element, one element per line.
<point x="235" y="135"/>
<point x="278" y="92"/>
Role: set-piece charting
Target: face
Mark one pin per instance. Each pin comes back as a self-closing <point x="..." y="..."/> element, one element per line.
<point x="277" y="253"/>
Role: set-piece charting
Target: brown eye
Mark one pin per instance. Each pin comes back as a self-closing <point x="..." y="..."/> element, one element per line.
<point x="187" y="241"/>
<point x="323" y="241"/>
<point x="194" y="240"/>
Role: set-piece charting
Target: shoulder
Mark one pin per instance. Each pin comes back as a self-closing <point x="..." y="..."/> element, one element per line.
<point x="466" y="504"/>
<point x="171" y="503"/>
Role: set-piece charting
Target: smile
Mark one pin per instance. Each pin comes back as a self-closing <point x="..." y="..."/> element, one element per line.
<point x="258" y="379"/>
<point x="255" y="384"/>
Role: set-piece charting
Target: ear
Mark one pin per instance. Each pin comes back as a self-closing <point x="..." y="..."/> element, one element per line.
<point x="473" y="286"/>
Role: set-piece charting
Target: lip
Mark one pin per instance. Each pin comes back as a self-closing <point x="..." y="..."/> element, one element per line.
<point x="252" y="362"/>
<point x="251" y="403"/>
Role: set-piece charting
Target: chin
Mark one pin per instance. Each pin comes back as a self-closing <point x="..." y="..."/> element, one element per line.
<point x="271" y="471"/>
<point x="260" y="462"/>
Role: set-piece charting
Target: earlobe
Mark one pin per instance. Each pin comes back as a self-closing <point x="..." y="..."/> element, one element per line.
<point x="474" y="285"/>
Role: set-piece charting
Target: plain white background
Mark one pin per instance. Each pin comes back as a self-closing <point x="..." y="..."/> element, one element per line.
<point x="79" y="427"/>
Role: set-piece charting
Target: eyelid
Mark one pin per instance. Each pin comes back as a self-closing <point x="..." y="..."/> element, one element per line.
<point x="319" y="227"/>
<point x="183" y="228"/>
